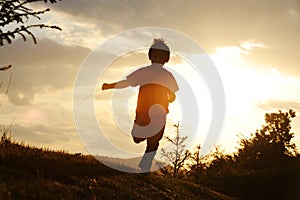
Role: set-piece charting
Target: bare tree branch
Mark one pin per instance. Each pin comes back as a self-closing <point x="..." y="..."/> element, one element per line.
<point x="177" y="157"/>
<point x="5" y="68"/>
<point x="17" y="12"/>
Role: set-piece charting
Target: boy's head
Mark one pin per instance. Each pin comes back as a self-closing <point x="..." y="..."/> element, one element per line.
<point x="159" y="52"/>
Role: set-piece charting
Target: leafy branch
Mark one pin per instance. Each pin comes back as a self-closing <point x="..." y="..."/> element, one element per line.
<point x="18" y="12"/>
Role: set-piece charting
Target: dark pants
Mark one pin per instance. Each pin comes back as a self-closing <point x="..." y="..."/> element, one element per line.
<point x="152" y="142"/>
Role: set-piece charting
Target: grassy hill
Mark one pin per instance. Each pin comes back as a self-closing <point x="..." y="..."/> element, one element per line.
<point x="33" y="173"/>
<point x="125" y="164"/>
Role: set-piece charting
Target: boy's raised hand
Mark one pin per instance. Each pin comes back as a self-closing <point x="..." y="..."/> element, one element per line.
<point x="106" y="86"/>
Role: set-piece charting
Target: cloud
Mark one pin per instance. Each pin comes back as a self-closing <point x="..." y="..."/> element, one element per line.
<point x="212" y="23"/>
<point x="47" y="136"/>
<point x="41" y="68"/>
<point x="203" y="17"/>
<point x="251" y="45"/>
<point x="273" y="104"/>
<point x="49" y="123"/>
<point x="46" y="52"/>
<point x="39" y="133"/>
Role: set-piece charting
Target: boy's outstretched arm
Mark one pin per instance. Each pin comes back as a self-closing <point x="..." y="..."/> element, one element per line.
<point x="119" y="84"/>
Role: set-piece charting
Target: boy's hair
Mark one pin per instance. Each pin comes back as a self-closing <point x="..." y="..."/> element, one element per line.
<point x="159" y="52"/>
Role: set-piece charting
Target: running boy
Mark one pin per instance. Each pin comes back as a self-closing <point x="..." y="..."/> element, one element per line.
<point x="157" y="90"/>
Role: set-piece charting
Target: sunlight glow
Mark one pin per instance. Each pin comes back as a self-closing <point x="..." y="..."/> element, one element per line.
<point x="246" y="87"/>
<point x="251" y="45"/>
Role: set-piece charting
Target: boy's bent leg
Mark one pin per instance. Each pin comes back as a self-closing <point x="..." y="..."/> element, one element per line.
<point x="152" y="146"/>
<point x="153" y="142"/>
<point x="141" y="120"/>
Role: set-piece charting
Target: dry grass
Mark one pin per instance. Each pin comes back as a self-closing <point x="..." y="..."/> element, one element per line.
<point x="33" y="173"/>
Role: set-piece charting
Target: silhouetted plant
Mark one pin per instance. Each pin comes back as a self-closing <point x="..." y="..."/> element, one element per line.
<point x="269" y="146"/>
<point x="16" y="13"/>
<point x="176" y="158"/>
<point x="198" y="165"/>
<point x="6" y="136"/>
<point x="220" y="163"/>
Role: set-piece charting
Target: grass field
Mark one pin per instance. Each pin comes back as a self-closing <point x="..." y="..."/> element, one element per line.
<point x="34" y="173"/>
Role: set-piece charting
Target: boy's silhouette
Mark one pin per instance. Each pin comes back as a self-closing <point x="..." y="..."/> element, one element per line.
<point x="157" y="90"/>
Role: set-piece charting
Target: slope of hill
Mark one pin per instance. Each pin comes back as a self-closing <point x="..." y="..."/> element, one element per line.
<point x="125" y="164"/>
<point x="32" y="173"/>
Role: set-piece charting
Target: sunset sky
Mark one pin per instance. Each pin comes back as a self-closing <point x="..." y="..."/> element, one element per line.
<point x="254" y="45"/>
